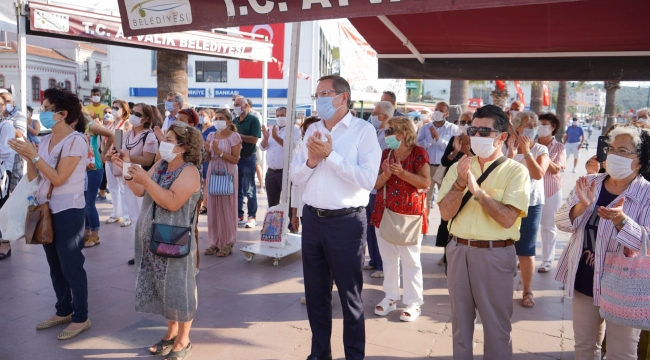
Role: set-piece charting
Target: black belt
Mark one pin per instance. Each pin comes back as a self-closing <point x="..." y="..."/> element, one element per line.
<point x="246" y="156"/>
<point x="274" y="170"/>
<point x="333" y="213"/>
<point x="484" y="244"/>
<point x="434" y="164"/>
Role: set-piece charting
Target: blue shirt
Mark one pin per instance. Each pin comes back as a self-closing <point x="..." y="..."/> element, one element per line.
<point x="434" y="147"/>
<point x="573" y="134"/>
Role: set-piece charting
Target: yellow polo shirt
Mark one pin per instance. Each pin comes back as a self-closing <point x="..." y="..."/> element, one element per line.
<point x="97" y="110"/>
<point x="508" y="184"/>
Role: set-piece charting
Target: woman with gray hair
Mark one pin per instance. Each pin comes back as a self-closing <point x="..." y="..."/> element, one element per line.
<point x="523" y="148"/>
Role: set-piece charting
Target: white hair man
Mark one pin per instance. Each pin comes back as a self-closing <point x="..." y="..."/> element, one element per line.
<point x="174" y="103"/>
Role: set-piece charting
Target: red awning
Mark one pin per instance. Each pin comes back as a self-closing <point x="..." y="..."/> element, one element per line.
<point x="63" y="22"/>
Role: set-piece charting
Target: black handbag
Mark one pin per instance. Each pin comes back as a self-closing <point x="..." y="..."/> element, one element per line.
<point x="169" y="240"/>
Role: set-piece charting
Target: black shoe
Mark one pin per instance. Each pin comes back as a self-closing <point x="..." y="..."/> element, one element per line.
<point x="326" y="357"/>
<point x="4" y="256"/>
<point x="131" y="262"/>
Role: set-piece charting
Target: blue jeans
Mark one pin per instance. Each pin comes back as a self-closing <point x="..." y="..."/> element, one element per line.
<point x="94" y="178"/>
<point x="67" y="264"/>
<point x="528" y="231"/>
<point x="373" y="248"/>
<point x="247" y="188"/>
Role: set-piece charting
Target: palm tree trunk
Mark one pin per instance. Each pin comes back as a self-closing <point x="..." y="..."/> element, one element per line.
<point x="536" y="93"/>
<point x="458" y="95"/>
<point x="561" y="108"/>
<point x="171" y="74"/>
<point x="610" y="103"/>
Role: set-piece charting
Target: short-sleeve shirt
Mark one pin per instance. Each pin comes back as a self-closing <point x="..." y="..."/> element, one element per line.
<point x="553" y="182"/>
<point x="508" y="184"/>
<point x="536" y="186"/>
<point x="144" y="142"/>
<point x="573" y="134"/>
<point x="402" y="197"/>
<point x="249" y="126"/>
<point x="94" y="146"/>
<point x="70" y="195"/>
<point x="97" y="110"/>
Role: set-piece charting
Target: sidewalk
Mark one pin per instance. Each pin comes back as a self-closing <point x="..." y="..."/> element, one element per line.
<point x="251" y="310"/>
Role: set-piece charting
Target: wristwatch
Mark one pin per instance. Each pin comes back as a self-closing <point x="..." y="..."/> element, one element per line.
<point x="35" y="160"/>
<point x="622" y="223"/>
<point x="221" y="155"/>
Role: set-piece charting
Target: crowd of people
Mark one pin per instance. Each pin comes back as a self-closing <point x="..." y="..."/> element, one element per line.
<point x="495" y="175"/>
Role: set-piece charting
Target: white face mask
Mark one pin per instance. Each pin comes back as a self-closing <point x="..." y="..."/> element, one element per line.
<point x="463" y="129"/>
<point x="544" y="130"/>
<point x="201" y="120"/>
<point x="374" y="120"/>
<point x="482" y="146"/>
<point x="438" y="116"/>
<point x="424" y="117"/>
<point x="237" y="110"/>
<point x="167" y="151"/>
<point x="281" y="121"/>
<point x="220" y="124"/>
<point x="95" y="98"/>
<point x="116" y="113"/>
<point x="513" y="114"/>
<point x="135" y="121"/>
<point x="619" y="167"/>
<point x="643" y="120"/>
<point x="575" y="123"/>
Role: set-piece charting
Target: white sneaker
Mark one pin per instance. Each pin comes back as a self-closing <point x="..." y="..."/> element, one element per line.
<point x="574" y="170"/>
<point x="251" y="223"/>
<point x="241" y="221"/>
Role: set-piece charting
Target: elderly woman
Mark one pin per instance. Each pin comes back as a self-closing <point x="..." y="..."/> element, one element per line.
<point x="404" y="179"/>
<point x="523" y="148"/>
<point x="167" y="286"/>
<point x="604" y="213"/>
<point x="223" y="148"/>
<point x="458" y="146"/>
<point x="61" y="164"/>
<point x="549" y="125"/>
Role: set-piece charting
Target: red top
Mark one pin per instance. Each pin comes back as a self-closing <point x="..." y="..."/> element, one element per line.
<point x="402" y="197"/>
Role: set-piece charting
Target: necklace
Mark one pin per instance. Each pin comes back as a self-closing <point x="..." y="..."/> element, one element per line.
<point x="404" y="155"/>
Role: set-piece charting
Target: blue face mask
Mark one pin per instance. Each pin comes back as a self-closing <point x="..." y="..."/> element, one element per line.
<point x="10" y="108"/>
<point x="169" y="106"/>
<point x="324" y="107"/>
<point x="374" y="120"/>
<point x="46" y="119"/>
<point x="392" y="142"/>
<point x="530" y="133"/>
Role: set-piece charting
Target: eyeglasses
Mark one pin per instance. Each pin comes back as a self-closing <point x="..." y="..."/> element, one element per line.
<point x="619" y="151"/>
<point x="136" y="114"/>
<point x="322" y="94"/>
<point x="482" y="131"/>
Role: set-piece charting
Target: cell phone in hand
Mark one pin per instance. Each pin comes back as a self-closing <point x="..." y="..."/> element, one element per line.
<point x="118" y="140"/>
<point x="601" y="150"/>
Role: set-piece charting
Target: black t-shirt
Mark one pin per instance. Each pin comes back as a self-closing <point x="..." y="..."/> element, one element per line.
<point x="585" y="275"/>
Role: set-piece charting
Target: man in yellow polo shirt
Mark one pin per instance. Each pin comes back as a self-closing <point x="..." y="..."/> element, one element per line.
<point x="481" y="257"/>
<point x="96" y="108"/>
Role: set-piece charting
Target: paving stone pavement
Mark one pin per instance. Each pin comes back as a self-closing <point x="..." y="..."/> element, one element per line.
<point x="252" y="310"/>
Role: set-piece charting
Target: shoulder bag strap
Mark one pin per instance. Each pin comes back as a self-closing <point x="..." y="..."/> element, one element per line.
<point x="49" y="192"/>
<point x="387" y="158"/>
<point x="479" y="181"/>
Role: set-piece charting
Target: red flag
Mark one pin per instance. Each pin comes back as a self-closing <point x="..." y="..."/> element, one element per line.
<point x="98" y="78"/>
<point x="501" y="85"/>
<point x="520" y="93"/>
<point x="546" y="99"/>
<point x="253" y="69"/>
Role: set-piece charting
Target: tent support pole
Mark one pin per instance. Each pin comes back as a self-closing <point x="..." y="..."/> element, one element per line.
<point x="265" y="110"/>
<point x="389" y="24"/>
<point x="291" y="120"/>
<point x="21" y="21"/>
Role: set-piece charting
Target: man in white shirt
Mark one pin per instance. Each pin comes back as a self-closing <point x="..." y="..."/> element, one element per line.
<point x="434" y="137"/>
<point x="338" y="167"/>
<point x="19" y="121"/>
<point x="273" y="144"/>
<point x="173" y="104"/>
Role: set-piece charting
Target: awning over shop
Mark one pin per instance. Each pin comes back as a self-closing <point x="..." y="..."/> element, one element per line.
<point x="579" y="40"/>
<point x="75" y="24"/>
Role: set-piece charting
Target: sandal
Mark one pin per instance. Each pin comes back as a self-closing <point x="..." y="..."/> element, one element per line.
<point x="203" y="211"/>
<point x="181" y="354"/>
<point x="545" y="267"/>
<point x="211" y="250"/>
<point x="411" y="313"/>
<point x="527" y="301"/>
<point x="162" y="346"/>
<point x="91" y="241"/>
<point x="126" y="223"/>
<point x="369" y="267"/>
<point x="225" y="250"/>
<point x="387" y="305"/>
<point x="112" y="220"/>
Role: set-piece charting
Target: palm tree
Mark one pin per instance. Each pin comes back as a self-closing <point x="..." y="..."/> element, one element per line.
<point x="536" y="93"/>
<point x="561" y="108"/>
<point x="610" y="103"/>
<point x="172" y="75"/>
<point x="458" y="95"/>
<point x="499" y="97"/>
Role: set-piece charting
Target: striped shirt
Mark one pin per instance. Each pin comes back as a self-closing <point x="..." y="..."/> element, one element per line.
<point x="553" y="182"/>
<point x="608" y="239"/>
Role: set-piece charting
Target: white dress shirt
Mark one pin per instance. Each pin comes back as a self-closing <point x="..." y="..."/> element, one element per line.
<point x="275" y="151"/>
<point x="348" y="174"/>
<point x="436" y="148"/>
<point x="169" y="120"/>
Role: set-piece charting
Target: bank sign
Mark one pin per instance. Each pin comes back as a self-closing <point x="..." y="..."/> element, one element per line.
<point x="211" y="93"/>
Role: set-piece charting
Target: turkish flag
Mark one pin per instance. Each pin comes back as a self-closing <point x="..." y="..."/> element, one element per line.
<point x="501" y="85"/>
<point x="520" y="92"/>
<point x="546" y="99"/>
<point x="253" y="69"/>
<point x="98" y="78"/>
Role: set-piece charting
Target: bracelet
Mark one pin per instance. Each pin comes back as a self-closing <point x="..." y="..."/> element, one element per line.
<point x="458" y="187"/>
<point x="480" y="195"/>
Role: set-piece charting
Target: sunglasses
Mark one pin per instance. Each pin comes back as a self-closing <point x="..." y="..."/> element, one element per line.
<point x="136" y="114"/>
<point x="389" y="131"/>
<point x="482" y="131"/>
